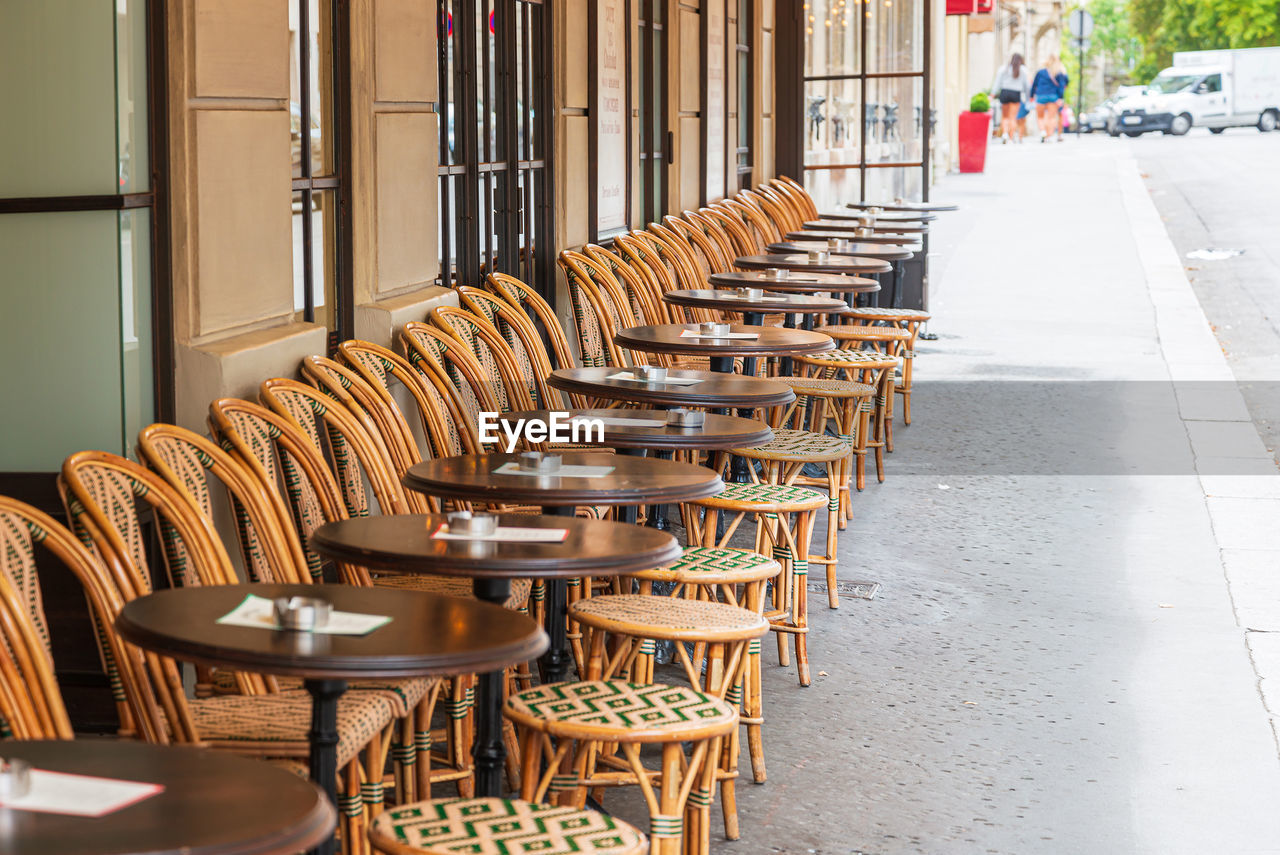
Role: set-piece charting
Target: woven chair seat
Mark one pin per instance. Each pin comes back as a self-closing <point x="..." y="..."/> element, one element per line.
<point x="450" y="586"/>
<point x="765" y="498"/>
<point x="797" y="445"/>
<point x="884" y="313"/>
<point x="714" y="565"/>
<point x="254" y="723"/>
<point x="617" y="711"/>
<point x="669" y="619"/>
<point x="862" y="332"/>
<point x="490" y="826"/>
<point x="403" y="694"/>
<point x="829" y="387"/>
<point x="843" y="357"/>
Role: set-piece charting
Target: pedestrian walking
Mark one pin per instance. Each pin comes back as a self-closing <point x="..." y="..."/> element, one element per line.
<point x="1048" y="89"/>
<point x="1011" y="87"/>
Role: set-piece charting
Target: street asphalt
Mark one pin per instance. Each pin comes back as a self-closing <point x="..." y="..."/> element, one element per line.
<point x="1068" y="652"/>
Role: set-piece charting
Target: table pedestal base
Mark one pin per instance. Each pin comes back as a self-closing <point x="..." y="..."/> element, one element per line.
<point x="555" y="663"/>
<point x="489" y="751"/>
<point x="324" y="743"/>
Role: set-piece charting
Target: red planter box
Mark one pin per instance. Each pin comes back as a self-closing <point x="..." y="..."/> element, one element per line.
<point x="975" y="128"/>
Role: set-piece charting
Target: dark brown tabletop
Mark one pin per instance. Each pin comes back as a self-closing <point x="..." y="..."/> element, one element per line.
<point x="854" y="264"/>
<point x="885" y="215"/>
<point x="214" y="803"/>
<point x="903" y="206"/>
<point x="911" y="241"/>
<point x="777" y="302"/>
<point x="716" y="390"/>
<point x="402" y="543"/>
<point x="632" y="481"/>
<point x="667" y="338"/>
<point x="428" y="634"/>
<point x="799" y="282"/>
<point x="717" y="432"/>
<point x="889" y="252"/>
<point x="852" y="224"/>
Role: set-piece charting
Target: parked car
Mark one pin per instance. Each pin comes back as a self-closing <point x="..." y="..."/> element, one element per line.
<point x="1217" y="89"/>
<point x="1099" y="118"/>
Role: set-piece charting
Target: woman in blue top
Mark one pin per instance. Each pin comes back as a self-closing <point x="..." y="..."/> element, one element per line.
<point x="1047" y="90"/>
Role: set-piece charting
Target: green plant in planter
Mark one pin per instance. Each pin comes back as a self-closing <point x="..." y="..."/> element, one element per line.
<point x="979" y="103"/>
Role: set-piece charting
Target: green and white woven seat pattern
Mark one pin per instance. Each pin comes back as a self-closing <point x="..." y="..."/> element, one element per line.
<point x="714" y="564"/>
<point x="768" y="494"/>
<point x="847" y="355"/>
<point x="620" y="705"/>
<point x="641" y="614"/>
<point x="489" y="826"/>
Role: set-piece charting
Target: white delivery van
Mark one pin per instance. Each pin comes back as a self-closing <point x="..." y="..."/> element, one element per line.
<point x="1215" y="89"/>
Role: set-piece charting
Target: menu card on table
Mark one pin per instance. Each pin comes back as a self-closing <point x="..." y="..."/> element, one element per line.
<point x="507" y="534"/>
<point x="259" y="612"/>
<point x="79" y="795"/>
<point x="562" y="472"/>
<point x="696" y="334"/>
<point x="673" y="381"/>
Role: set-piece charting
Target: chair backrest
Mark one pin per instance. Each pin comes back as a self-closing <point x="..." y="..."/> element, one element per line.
<point x="497" y="361"/>
<point x="377" y="417"/>
<point x="102" y="492"/>
<point x="520" y="334"/>
<point x="440" y="414"/>
<point x="355" y="454"/>
<point x="30" y="702"/>
<point x="283" y="459"/>
<point x="746" y="207"/>
<point x="744" y="242"/>
<point x="679" y="255"/>
<point x="716" y="233"/>
<point x="594" y="316"/>
<point x="443" y="360"/>
<point x="783" y="216"/>
<point x="712" y="257"/>
<point x="530" y="302"/>
<point x="798" y="195"/>
<point x="188" y="462"/>
<point x="655" y="265"/>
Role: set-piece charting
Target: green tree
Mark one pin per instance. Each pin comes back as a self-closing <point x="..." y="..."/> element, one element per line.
<point x="1166" y="26"/>
<point x="1111" y="41"/>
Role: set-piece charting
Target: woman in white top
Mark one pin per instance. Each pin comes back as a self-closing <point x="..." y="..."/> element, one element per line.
<point x="1012" y="86"/>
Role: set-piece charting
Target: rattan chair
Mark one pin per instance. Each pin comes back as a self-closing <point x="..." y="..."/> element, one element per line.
<point x="719" y="635"/>
<point x="443" y="361"/>
<point x="538" y="310"/>
<point x="493" y="825"/>
<point x="859" y="366"/>
<point x="101" y="492"/>
<point x="598" y="314"/>
<point x="518" y="331"/>
<point x="556" y="719"/>
<point x="910" y="320"/>
<point x="496" y="359"/>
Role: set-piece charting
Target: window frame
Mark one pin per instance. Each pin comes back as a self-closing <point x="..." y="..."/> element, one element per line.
<point x="745" y="94"/>
<point x="652" y="180"/>
<point x="593" y="129"/>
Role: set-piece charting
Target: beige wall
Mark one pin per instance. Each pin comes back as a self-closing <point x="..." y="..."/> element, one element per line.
<point x="231" y="193"/>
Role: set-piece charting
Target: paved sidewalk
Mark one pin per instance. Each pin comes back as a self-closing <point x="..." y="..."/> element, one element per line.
<point x="1055" y="662"/>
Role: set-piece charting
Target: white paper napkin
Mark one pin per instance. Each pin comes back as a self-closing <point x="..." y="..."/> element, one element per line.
<point x="508" y="534"/>
<point x="696" y="334"/>
<point x="258" y="612"/>
<point x="562" y="472"/>
<point x="670" y="381"/>
<point x="617" y="422"/>
<point x="79" y="795"/>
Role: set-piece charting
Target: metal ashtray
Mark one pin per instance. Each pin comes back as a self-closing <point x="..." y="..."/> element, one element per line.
<point x="866" y="220"/>
<point x="818" y="256"/>
<point x="537" y="461"/>
<point x="649" y="373"/>
<point x="874" y="210"/>
<point x="751" y="293"/>
<point x="864" y="231"/>
<point x="685" y="418"/>
<point x="836" y="244"/>
<point x="711" y="328"/>
<point x="776" y="273"/>
<point x="466" y="522"/>
<point x="15" y="778"/>
<point x="301" y="613"/>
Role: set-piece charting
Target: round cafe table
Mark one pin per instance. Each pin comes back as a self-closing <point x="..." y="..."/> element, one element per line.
<point x="885" y="215"/>
<point x="848" y="264"/>
<point x="629" y="481"/>
<point x="851" y="224"/>
<point x="429" y="635"/>
<point x="213" y="803"/>
<point x="403" y="543"/>
<point x="889" y="252"/>
<point x="754" y="310"/>
<point x="767" y="341"/>
<point x="712" y="391"/>
<point x="800" y="281"/>
<point x="903" y="205"/>
<point x="911" y="241"/>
